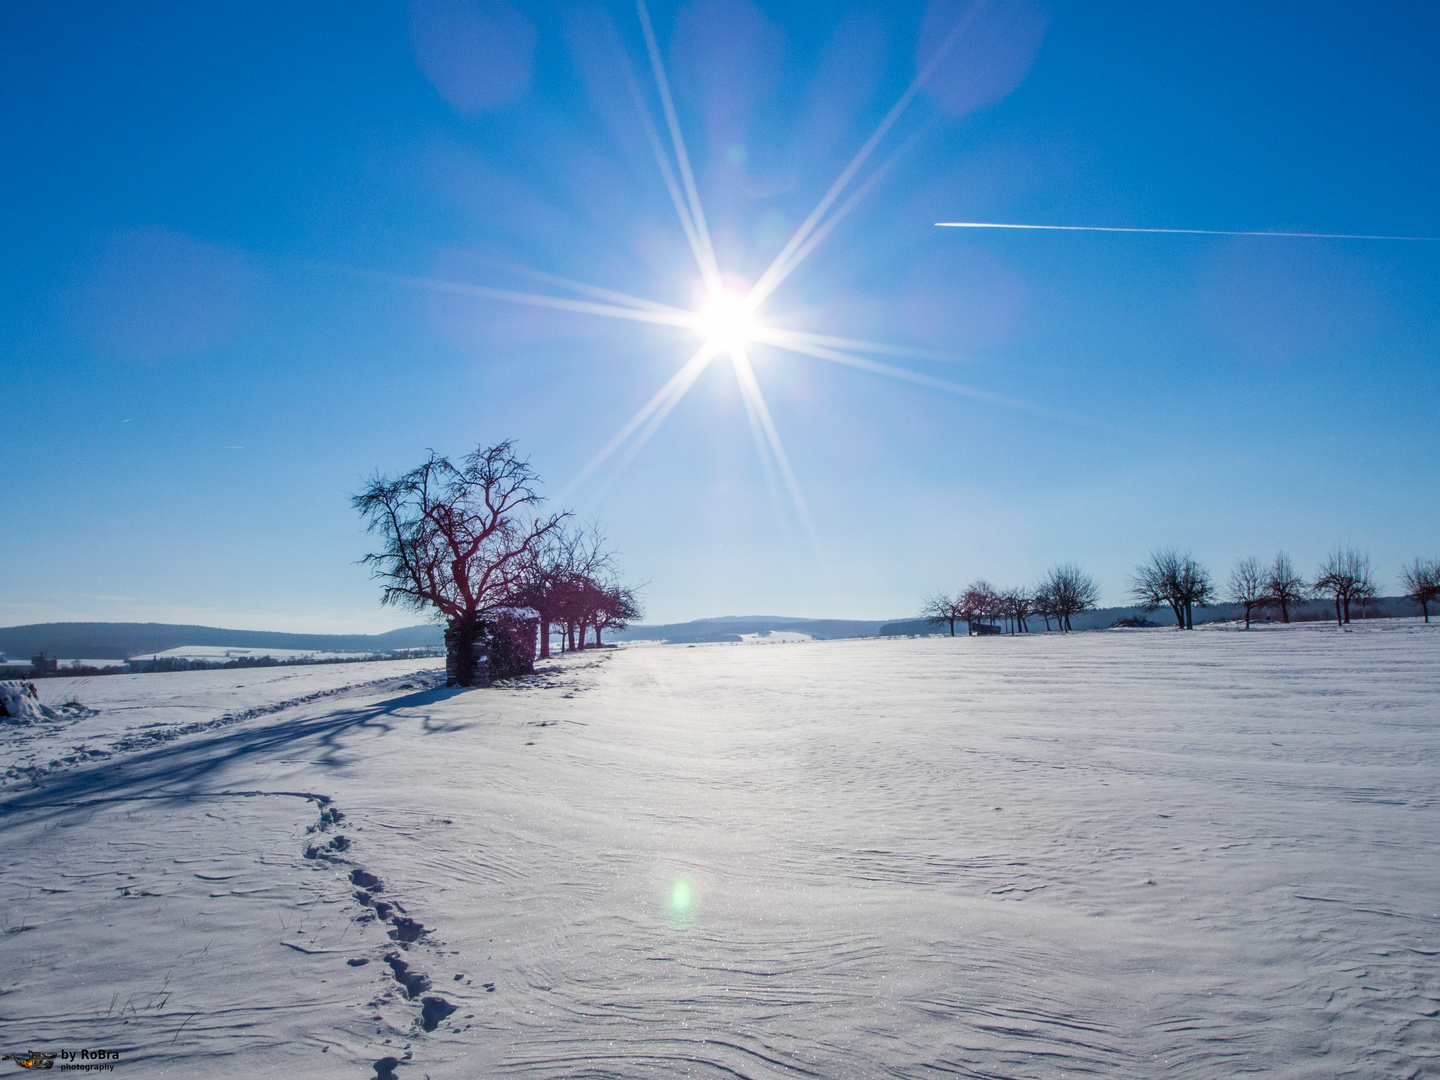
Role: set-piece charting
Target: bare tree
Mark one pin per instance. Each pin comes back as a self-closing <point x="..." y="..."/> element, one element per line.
<point x="1156" y="584"/>
<point x="1196" y="589"/>
<point x="1068" y="591"/>
<point x="589" y="603"/>
<point x="1173" y="579"/>
<point x="619" y="610"/>
<point x="1247" y="586"/>
<point x="1365" y="591"/>
<point x="1284" y="588"/>
<point x="455" y="540"/>
<point x="978" y="604"/>
<point x="554" y="577"/>
<point x="1421" y="581"/>
<point x="942" y="608"/>
<point x="1043" y="604"/>
<point x="1344" y="576"/>
<point x="1019" y="606"/>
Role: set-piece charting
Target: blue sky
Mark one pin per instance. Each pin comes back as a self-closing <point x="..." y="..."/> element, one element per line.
<point x="215" y="216"/>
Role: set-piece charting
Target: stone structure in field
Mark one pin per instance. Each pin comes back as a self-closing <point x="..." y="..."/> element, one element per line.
<point x="499" y="645"/>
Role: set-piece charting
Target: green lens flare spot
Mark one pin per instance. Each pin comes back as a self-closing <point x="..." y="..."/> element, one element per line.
<point x="680" y="897"/>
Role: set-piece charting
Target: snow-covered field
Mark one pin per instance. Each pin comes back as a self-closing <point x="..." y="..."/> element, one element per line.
<point x="1117" y="854"/>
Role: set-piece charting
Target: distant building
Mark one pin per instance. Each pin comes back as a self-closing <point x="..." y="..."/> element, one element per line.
<point x="45" y="665"/>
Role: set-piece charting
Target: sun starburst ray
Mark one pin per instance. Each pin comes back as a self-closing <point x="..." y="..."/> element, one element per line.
<point x="584" y="289"/>
<point x="762" y="445"/>
<point x="750" y="388"/>
<point x="655" y="410"/>
<point x="709" y="267"/>
<point x="838" y="356"/>
<point x="766" y="282"/>
<point x="644" y="435"/>
<point x="667" y="172"/>
<point x="857" y="344"/>
<point x="658" y="314"/>
<point x="817" y="237"/>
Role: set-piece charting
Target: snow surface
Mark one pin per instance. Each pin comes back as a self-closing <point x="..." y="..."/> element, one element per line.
<point x="1128" y="854"/>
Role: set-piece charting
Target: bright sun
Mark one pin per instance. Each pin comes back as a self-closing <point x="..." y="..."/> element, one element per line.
<point x="727" y="320"/>
<point x="724" y="317"/>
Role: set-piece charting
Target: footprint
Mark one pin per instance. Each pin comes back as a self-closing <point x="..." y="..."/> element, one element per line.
<point x="406" y="928"/>
<point x="414" y="982"/>
<point x="385" y="1068"/>
<point x="366" y="880"/>
<point x="433" y="1010"/>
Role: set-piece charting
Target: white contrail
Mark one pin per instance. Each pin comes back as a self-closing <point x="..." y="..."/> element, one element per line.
<point x="1186" y="232"/>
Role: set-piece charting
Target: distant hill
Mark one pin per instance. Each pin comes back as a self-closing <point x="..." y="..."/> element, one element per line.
<point x="1384" y="607"/>
<point x="730" y="627"/>
<point x="120" y="641"/>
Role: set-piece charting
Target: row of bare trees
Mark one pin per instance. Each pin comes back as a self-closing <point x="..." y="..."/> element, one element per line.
<point x="1064" y="592"/>
<point x="570" y="578"/>
<point x="468" y="541"/>
<point x="1345" y="577"/>
<point x="1171" y="579"/>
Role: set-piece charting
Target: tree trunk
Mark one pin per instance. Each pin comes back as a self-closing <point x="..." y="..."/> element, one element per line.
<point x="544" y="636"/>
<point x="1179" y="615"/>
<point x="1046" y="616"/>
<point x="597" y="635"/>
<point x="1247" y="616"/>
<point x="1284" y="610"/>
<point x="1338" y="621"/>
<point x="952" y="627"/>
<point x="1347" y="610"/>
<point x="1189" y="616"/>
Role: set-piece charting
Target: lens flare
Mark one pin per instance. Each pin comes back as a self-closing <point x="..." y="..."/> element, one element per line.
<point x="680" y="897"/>
<point x="680" y="906"/>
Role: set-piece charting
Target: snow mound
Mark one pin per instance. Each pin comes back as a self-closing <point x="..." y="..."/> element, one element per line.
<point x="20" y="703"/>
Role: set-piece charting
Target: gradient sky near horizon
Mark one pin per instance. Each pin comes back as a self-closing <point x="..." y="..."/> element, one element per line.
<point x="215" y="216"/>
